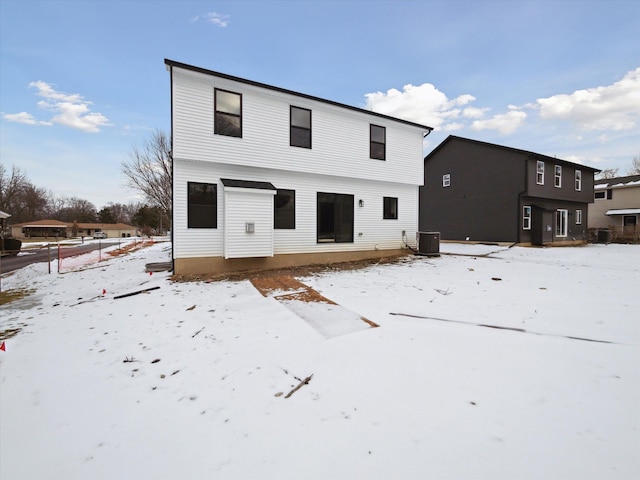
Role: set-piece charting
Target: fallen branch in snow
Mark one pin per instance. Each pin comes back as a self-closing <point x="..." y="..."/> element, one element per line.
<point x="136" y="292"/>
<point x="197" y="332"/>
<point x="300" y="385"/>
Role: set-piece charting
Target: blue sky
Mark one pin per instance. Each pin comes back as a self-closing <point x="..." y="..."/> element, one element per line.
<point x="83" y="82"/>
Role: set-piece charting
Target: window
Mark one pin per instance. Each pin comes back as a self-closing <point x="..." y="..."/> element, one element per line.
<point x="578" y="217"/>
<point x="378" y="137"/>
<point x="446" y="180"/>
<point x="558" y="176"/>
<point x="228" y="113"/>
<point x="598" y="195"/>
<point x="526" y="217"/>
<point x="300" y="128"/>
<point x="390" y="208"/>
<point x="335" y="218"/>
<point x="202" y="205"/>
<point x="284" y="209"/>
<point x="578" y="180"/>
<point x="561" y="223"/>
<point x="540" y="172"/>
<point x="609" y="194"/>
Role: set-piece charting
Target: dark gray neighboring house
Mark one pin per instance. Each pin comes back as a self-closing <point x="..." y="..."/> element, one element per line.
<point x="484" y="192"/>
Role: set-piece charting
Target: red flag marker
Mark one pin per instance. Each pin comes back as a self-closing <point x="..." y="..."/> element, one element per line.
<point x="104" y="291"/>
<point x="3" y="348"/>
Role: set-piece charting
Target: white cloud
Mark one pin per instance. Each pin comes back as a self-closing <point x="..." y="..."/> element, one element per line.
<point x="217" y="19"/>
<point x="70" y="110"/>
<point x="423" y="104"/>
<point x="612" y="107"/>
<point x="505" y="123"/>
<point x="25" y="118"/>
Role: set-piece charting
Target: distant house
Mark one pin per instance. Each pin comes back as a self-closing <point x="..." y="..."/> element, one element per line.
<point x="484" y="192"/>
<point x="265" y="177"/>
<point x="616" y="205"/>
<point x="58" y="229"/>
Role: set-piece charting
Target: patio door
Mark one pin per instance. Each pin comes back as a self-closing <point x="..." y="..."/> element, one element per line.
<point x="561" y="222"/>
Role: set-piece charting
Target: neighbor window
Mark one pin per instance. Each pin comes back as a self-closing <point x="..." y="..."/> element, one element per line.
<point x="609" y="194"/>
<point x="446" y="180"/>
<point x="561" y="223"/>
<point x="378" y="141"/>
<point x="578" y="180"/>
<point x="300" y="128"/>
<point x="228" y="113"/>
<point x="598" y="195"/>
<point x="578" y="217"/>
<point x="202" y="205"/>
<point x="284" y="209"/>
<point x="390" y="208"/>
<point x="526" y="217"/>
<point x="540" y="172"/>
<point x="558" y="176"/>
<point x="334" y="218"/>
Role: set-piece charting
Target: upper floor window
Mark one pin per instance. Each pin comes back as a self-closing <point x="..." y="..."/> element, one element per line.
<point x="578" y="180"/>
<point x="378" y="141"/>
<point x="228" y="113"/>
<point x="540" y="172"/>
<point x="202" y="205"/>
<point x="390" y="208"/>
<point x="599" y="194"/>
<point x="446" y="180"/>
<point x="526" y="217"/>
<point x="300" y="128"/>
<point x="284" y="209"/>
<point x="558" y="176"/>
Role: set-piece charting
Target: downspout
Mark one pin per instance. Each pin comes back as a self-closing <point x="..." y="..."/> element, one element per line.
<point x="173" y="219"/>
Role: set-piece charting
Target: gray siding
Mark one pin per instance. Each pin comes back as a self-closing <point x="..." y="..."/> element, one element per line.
<point x="482" y="201"/>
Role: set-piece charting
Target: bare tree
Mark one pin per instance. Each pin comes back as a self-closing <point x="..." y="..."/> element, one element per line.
<point x="635" y="166"/>
<point x="608" y="173"/>
<point x="11" y="185"/>
<point x="149" y="171"/>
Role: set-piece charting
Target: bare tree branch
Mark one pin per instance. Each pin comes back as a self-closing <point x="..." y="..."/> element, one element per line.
<point x="149" y="171"/>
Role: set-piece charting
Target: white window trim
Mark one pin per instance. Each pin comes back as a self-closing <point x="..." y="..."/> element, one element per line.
<point x="540" y="172"/>
<point x="578" y="180"/>
<point x="557" y="176"/>
<point x="446" y="180"/>
<point x="578" y="217"/>
<point x="526" y="218"/>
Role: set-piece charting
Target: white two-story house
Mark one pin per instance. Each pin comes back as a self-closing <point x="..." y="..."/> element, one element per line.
<point x="265" y="177"/>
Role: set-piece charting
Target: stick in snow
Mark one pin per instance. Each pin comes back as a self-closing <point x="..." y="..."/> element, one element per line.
<point x="303" y="382"/>
<point x="136" y="293"/>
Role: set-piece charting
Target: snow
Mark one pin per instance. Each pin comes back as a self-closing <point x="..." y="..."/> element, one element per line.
<point x="189" y="380"/>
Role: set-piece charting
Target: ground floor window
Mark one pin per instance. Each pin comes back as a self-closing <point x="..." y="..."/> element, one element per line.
<point x="335" y="217"/>
<point x="578" y="217"/>
<point x="526" y="217"/>
<point x="202" y="205"/>
<point x="561" y="222"/>
<point x="284" y="209"/>
<point x="390" y="208"/>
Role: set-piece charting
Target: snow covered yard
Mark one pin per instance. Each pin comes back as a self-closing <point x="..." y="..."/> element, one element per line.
<point x="188" y="381"/>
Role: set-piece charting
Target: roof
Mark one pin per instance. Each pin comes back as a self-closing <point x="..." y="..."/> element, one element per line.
<point x="59" y="224"/>
<point x="618" y="182"/>
<point x="527" y="153"/>
<point x="623" y="211"/>
<point x="42" y="223"/>
<point x="4" y="214"/>
<point x="184" y="66"/>
<point x="227" y="182"/>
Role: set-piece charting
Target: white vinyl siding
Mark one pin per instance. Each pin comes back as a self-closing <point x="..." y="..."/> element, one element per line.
<point x="244" y="206"/>
<point x="340" y="136"/>
<point x="370" y="232"/>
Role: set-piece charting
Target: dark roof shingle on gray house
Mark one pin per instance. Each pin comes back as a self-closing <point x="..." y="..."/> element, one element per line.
<point x="480" y="191"/>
